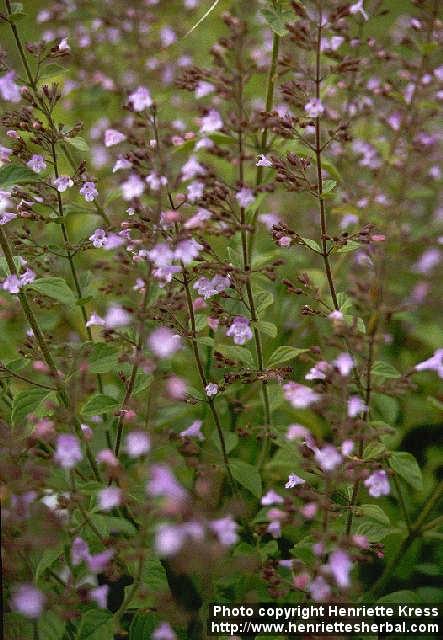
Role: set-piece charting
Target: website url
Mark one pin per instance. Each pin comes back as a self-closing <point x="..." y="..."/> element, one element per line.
<point x="322" y="628"/>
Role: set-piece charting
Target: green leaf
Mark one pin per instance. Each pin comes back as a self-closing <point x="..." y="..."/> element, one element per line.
<point x="15" y="174"/>
<point x="142" y="382"/>
<point x="406" y="466"/>
<point x="263" y="300"/>
<point x="111" y="524"/>
<point x="269" y="328"/>
<point x="142" y="625"/>
<point x="78" y="143"/>
<point x="400" y="597"/>
<point x="154" y="575"/>
<point x="234" y="352"/>
<point x="103" y="358"/>
<point x="25" y="402"/>
<point x="312" y="244"/>
<point x="17" y="11"/>
<point x="51" y="627"/>
<point x="96" y="624"/>
<point x="384" y="370"/>
<point x="373" y="512"/>
<point x="284" y="354"/>
<point x="374" y="450"/>
<point x="55" y="288"/>
<point x="52" y="70"/>
<point x="231" y="440"/>
<point x="48" y="558"/>
<point x="247" y="475"/>
<point x="328" y="186"/>
<point x="303" y="550"/>
<point x="374" y="531"/>
<point x="222" y="138"/>
<point x="98" y="404"/>
<point x="277" y="19"/>
<point x="351" y="245"/>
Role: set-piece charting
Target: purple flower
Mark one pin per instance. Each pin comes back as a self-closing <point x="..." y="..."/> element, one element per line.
<point x="203" y="89"/>
<point x="191" y="169"/>
<point x="245" y="197"/>
<point x="95" y="320"/>
<point x="225" y="529"/>
<point x="99" y="595"/>
<point x="164" y="484"/>
<point x="28" y="601"/>
<point x="296" y="431"/>
<point x="211" y="389"/>
<point x="294" y="481"/>
<point x="163" y="342"/>
<point x="187" y="251"/>
<point x="347" y="447"/>
<point x="340" y="565"/>
<point x="344" y="363"/>
<point x="314" y="108"/>
<point x="137" y="444"/>
<point x="271" y="497"/>
<point x="9" y="89"/>
<point x="240" y="330"/>
<point x="169" y="539"/>
<point x="208" y="288"/>
<point x="274" y="529"/>
<point x="113" y="137"/>
<point x="434" y="363"/>
<point x="155" y="181"/>
<point x="193" y="431"/>
<point x="117" y="317"/>
<point x="299" y="395"/>
<point x="164" y="632"/>
<point x="133" y="187"/>
<point x="355" y="406"/>
<point x="121" y="163"/>
<point x="6" y="217"/>
<point x="195" y="191"/>
<point x="109" y="498"/>
<point x="98" y="238"/>
<point x="89" y="191"/>
<point x="378" y="484"/>
<point x="99" y="562"/>
<point x="263" y="161"/>
<point x="68" y="451"/>
<point x="211" y="122"/>
<point x="140" y="99"/>
<point x="12" y="284"/>
<point x="167" y="36"/>
<point x="36" y="163"/>
<point x="358" y="8"/>
<point x="328" y="457"/>
<point x="319" y="589"/>
<point x="318" y="372"/>
<point x="198" y="219"/>
<point x="428" y="261"/>
<point x="79" y="551"/>
<point x="269" y="220"/>
<point x="62" y="183"/>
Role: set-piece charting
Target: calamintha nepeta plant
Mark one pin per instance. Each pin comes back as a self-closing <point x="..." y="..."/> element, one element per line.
<point x="219" y="291"/>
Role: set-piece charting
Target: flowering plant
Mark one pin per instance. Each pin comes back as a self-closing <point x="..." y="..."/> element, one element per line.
<point x="219" y="347"/>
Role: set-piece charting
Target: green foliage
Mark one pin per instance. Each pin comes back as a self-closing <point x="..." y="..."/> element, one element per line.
<point x="405" y="465"/>
<point x="55" y="288"/>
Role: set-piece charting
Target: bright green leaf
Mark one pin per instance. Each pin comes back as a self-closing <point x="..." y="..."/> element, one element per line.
<point x="406" y="466"/>
<point x="16" y="174"/>
<point x="247" y="475"/>
<point x="26" y="402"/>
<point x="98" y="404"/>
<point x="55" y="288"/>
<point x="284" y="354"/>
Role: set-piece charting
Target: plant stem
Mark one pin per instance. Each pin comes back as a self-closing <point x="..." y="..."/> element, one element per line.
<point x="414" y="532"/>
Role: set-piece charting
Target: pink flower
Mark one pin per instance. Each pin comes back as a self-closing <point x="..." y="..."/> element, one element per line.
<point x="113" y="137"/>
<point x="269" y="220"/>
<point x="68" y="452"/>
<point x="198" y="219"/>
<point x="137" y="444"/>
<point x="79" y="551"/>
<point x="109" y="498"/>
<point x="140" y="99"/>
<point x="319" y="371"/>
<point x="195" y="191"/>
<point x="203" y="89"/>
<point x="99" y="562"/>
<point x="187" y="250"/>
<point x="344" y="363"/>
<point x="117" y="317"/>
<point x="299" y="396"/>
<point x="240" y="330"/>
<point x="28" y="600"/>
<point x="358" y="8"/>
<point x="296" y="431"/>
<point x="193" y="431"/>
<point x="191" y="169"/>
<point x="106" y="456"/>
<point x="176" y="388"/>
<point x="208" y="288"/>
<point x="378" y="484"/>
<point x="163" y="342"/>
<point x="328" y="458"/>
